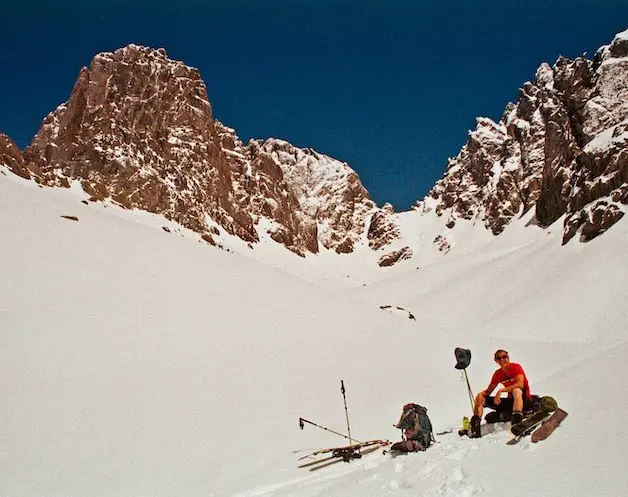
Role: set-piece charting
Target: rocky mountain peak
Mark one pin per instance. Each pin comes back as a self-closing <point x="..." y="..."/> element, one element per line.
<point x="138" y="130"/>
<point x="561" y="149"/>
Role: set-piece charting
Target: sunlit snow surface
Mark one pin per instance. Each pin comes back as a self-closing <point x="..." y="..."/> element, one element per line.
<point x="140" y="362"/>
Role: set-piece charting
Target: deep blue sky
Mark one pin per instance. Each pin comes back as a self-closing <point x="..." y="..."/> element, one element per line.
<point x="391" y="87"/>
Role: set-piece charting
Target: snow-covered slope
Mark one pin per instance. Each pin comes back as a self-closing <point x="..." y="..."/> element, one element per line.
<point x="140" y="361"/>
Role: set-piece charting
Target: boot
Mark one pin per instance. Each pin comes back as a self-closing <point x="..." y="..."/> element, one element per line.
<point x="475" y="427"/>
<point x="517" y="417"/>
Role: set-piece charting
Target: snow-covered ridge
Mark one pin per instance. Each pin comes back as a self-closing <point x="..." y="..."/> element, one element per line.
<point x="559" y="150"/>
<point x="138" y="130"/>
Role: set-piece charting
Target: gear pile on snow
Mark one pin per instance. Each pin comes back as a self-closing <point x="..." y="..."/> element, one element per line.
<point x="417" y="429"/>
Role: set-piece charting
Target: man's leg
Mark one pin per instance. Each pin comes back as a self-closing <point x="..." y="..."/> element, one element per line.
<point x="517" y="407"/>
<point x="517" y="394"/>
<point x="478" y="409"/>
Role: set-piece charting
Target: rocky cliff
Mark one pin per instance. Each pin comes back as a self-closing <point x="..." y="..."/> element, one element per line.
<point x="562" y="149"/>
<point x="138" y="129"/>
<point x="11" y="157"/>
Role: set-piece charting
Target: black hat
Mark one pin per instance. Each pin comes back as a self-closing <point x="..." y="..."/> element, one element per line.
<point x="463" y="356"/>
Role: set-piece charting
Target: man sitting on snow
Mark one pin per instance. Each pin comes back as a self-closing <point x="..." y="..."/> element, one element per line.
<point x="515" y="382"/>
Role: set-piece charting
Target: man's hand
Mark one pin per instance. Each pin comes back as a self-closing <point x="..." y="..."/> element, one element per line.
<point x="497" y="400"/>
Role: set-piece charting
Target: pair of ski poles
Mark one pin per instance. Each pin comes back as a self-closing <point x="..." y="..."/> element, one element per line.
<point x="463" y="358"/>
<point x="302" y="421"/>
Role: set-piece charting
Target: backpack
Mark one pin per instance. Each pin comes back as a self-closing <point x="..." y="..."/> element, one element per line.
<point x="416" y="425"/>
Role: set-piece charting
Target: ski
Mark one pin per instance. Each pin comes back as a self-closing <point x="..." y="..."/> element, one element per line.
<point x="345" y="448"/>
<point x="549" y="425"/>
<point x="316" y="461"/>
<point x="529" y="422"/>
<point x="336" y="458"/>
<point x="521" y="430"/>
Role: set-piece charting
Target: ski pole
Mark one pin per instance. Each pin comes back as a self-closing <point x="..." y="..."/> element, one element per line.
<point x="469" y="388"/>
<point x="463" y="359"/>
<point x="302" y="422"/>
<point x="342" y="389"/>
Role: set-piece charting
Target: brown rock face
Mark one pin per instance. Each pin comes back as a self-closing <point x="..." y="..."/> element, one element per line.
<point x="138" y="129"/>
<point x="394" y="257"/>
<point x="11" y="157"/>
<point x="323" y="198"/>
<point x="382" y="228"/>
<point x="559" y="149"/>
<point x="442" y="243"/>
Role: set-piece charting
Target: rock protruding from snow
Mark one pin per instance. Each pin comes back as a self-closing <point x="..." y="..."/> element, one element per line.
<point x="561" y="149"/>
<point x="395" y="256"/>
<point x="328" y="200"/>
<point x="11" y="157"/>
<point x="383" y="228"/>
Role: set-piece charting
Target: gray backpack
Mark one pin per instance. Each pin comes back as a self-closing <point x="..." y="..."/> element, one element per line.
<point x="415" y="420"/>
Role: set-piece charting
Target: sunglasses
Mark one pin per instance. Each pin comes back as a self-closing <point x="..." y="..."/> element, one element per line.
<point x="501" y="357"/>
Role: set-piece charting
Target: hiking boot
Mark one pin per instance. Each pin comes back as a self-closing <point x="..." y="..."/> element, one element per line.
<point x="517" y="417"/>
<point x="475" y="427"/>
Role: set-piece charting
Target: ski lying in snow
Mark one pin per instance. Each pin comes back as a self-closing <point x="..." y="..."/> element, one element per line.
<point x="549" y="425"/>
<point x="346" y="448"/>
<point x="345" y="453"/>
<point x="336" y="458"/>
<point x="529" y="422"/>
<point x="316" y="461"/>
<point x="527" y="426"/>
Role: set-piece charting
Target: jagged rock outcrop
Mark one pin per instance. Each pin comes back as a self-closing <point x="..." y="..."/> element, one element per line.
<point x="395" y="256"/>
<point x="327" y="193"/>
<point x="11" y="157"/>
<point x="442" y="243"/>
<point x="138" y="129"/>
<point x="383" y="228"/>
<point x="560" y="150"/>
<point x="599" y="194"/>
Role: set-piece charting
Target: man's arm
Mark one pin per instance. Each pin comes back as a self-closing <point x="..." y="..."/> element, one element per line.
<point x="516" y="383"/>
<point x="489" y="389"/>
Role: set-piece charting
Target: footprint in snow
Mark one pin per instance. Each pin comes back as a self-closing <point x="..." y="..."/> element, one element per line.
<point x="396" y="485"/>
<point x="458" y="455"/>
<point x="399" y="467"/>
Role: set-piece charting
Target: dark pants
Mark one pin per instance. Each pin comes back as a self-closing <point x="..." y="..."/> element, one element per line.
<point x="506" y="404"/>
